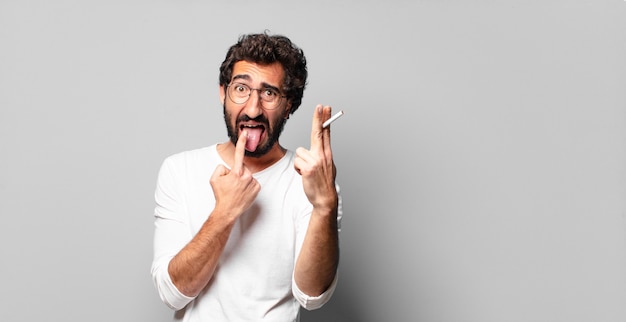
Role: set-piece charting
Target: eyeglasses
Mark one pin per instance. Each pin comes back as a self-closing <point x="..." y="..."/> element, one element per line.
<point x="240" y="93"/>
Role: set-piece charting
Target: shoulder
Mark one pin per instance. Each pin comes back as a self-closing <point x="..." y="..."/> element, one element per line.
<point x="192" y="163"/>
<point x="189" y="170"/>
<point x="193" y="156"/>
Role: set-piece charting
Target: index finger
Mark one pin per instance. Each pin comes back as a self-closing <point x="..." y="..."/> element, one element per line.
<point x="240" y="150"/>
<point x="321" y="114"/>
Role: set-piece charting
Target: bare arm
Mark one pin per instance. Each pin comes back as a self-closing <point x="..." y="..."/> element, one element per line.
<point x="235" y="190"/>
<point x="192" y="268"/>
<point x="317" y="263"/>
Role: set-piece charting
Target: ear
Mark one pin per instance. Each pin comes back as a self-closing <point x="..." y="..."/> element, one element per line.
<point x="222" y="94"/>
<point x="287" y="110"/>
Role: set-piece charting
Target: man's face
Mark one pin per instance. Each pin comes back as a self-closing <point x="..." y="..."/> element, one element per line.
<point x="263" y="126"/>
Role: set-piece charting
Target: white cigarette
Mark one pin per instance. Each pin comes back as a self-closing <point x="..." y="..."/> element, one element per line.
<point x="332" y="119"/>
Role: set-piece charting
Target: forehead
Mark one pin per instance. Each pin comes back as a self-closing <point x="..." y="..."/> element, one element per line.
<point x="272" y="74"/>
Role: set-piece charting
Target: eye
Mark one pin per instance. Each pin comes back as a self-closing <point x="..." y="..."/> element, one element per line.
<point x="240" y="88"/>
<point x="270" y="93"/>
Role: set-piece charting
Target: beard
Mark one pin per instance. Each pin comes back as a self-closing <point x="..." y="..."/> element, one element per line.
<point x="272" y="133"/>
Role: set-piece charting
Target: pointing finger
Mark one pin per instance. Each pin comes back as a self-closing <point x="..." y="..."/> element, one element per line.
<point x="240" y="149"/>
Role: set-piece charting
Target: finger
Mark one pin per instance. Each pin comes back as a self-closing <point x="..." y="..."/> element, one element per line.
<point x="326" y="136"/>
<point x="219" y="171"/>
<point x="316" y="127"/>
<point x="305" y="155"/>
<point x="297" y="165"/>
<point x="326" y="144"/>
<point x="321" y="114"/>
<point x="240" y="150"/>
<point x="303" y="159"/>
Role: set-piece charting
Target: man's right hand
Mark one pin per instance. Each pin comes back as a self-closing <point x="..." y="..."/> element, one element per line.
<point x="236" y="189"/>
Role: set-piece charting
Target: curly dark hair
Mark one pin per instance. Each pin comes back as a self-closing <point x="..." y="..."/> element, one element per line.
<point x="266" y="49"/>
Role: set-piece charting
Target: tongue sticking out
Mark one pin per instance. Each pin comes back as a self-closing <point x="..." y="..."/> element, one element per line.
<point x="254" y="136"/>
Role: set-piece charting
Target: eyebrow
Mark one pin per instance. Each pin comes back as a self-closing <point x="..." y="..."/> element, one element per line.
<point x="248" y="78"/>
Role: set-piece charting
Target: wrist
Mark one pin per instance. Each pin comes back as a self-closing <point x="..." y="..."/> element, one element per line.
<point x="326" y="209"/>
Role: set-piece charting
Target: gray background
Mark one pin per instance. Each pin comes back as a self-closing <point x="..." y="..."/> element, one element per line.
<point x="482" y="154"/>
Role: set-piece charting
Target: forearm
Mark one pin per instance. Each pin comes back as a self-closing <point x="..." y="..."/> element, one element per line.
<point x="317" y="263"/>
<point x="192" y="268"/>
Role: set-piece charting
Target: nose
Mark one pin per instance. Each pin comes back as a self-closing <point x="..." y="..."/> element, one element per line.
<point x="253" y="106"/>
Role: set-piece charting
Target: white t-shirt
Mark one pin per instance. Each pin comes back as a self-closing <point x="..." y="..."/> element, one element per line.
<point x="253" y="280"/>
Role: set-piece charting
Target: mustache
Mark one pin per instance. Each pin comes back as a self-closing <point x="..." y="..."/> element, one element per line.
<point x="260" y="119"/>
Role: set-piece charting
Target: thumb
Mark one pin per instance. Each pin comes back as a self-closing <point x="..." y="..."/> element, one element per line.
<point x="220" y="171"/>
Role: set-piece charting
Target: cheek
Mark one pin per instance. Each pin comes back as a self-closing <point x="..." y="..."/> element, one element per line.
<point x="231" y="112"/>
<point x="278" y="119"/>
<point x="230" y="119"/>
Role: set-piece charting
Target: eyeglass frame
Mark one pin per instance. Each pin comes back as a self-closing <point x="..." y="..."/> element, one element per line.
<point x="280" y="96"/>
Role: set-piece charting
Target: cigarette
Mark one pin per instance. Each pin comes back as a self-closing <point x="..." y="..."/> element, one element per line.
<point x="332" y="119"/>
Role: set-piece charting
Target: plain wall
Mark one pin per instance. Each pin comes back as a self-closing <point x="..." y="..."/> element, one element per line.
<point x="482" y="156"/>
